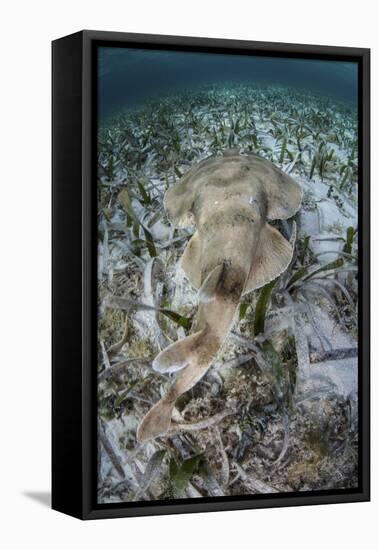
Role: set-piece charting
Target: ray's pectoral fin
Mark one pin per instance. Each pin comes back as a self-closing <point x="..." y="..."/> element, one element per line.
<point x="272" y="259"/>
<point x="190" y="261"/>
<point x="284" y="195"/>
<point x="179" y="198"/>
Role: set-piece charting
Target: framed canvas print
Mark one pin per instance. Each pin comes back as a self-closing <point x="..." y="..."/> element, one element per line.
<point x="210" y="274"/>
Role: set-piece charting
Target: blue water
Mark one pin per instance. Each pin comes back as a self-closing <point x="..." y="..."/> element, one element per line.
<point x="127" y="77"/>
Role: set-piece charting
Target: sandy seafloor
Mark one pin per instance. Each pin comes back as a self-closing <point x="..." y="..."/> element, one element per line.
<point x="277" y="412"/>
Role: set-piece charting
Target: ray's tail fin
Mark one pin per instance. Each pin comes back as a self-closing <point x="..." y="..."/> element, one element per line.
<point x="192" y="355"/>
<point x="157" y="421"/>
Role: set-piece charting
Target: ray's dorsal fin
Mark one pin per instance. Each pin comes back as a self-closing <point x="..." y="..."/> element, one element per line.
<point x="273" y="257"/>
<point x="191" y="260"/>
<point x="177" y="355"/>
<point x="207" y="291"/>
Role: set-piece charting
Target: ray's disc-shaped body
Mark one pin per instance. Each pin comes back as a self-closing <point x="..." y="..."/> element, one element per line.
<point x="233" y="251"/>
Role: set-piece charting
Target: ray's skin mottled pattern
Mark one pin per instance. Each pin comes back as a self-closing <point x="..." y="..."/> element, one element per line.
<point x="233" y="251"/>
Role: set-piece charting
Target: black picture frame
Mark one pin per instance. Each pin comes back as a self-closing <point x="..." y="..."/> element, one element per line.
<point x="74" y="432"/>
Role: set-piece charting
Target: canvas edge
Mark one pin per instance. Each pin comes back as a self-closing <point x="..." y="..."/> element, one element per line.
<point x="86" y="508"/>
<point x="66" y="467"/>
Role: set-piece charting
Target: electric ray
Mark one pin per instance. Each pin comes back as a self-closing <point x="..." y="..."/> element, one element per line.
<point x="232" y="252"/>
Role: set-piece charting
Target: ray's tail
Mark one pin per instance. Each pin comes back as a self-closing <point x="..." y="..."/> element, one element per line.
<point x="219" y="297"/>
<point x="157" y="421"/>
<point x="192" y="355"/>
